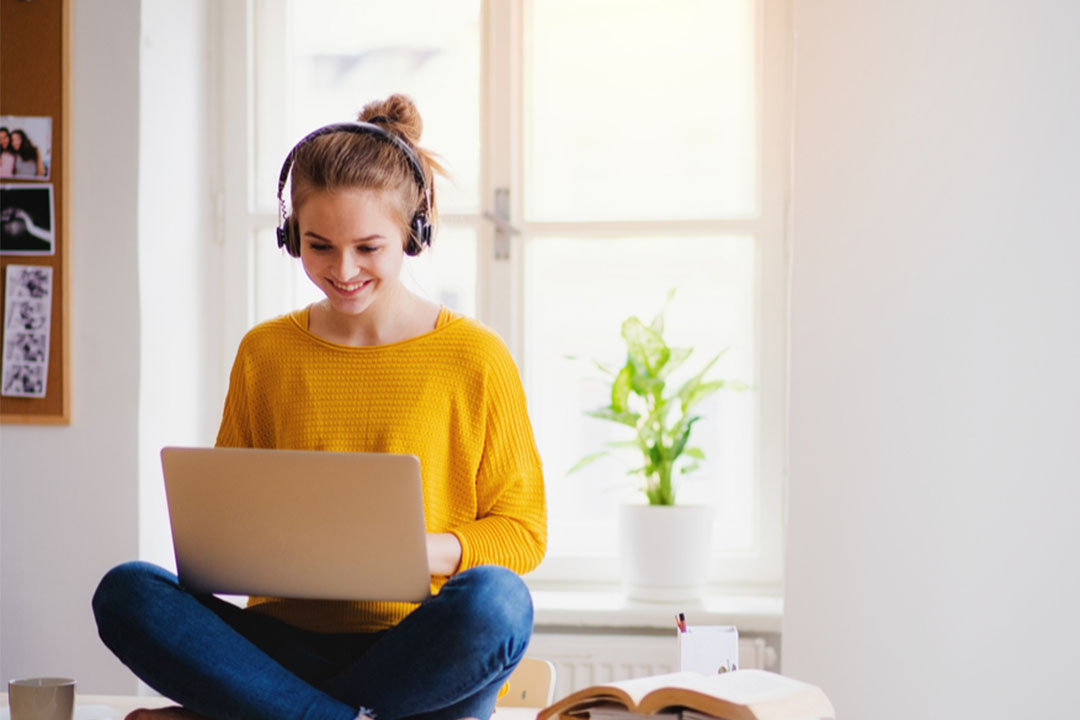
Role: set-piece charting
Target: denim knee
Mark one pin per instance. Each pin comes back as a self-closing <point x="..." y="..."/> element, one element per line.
<point x="124" y="587"/>
<point x="496" y="602"/>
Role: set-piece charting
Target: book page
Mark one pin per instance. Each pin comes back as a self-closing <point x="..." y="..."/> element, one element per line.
<point x="743" y="687"/>
<point x="695" y="715"/>
<point x="744" y="694"/>
<point x="610" y="711"/>
<point x="625" y="692"/>
<point x="749" y="694"/>
<point x="638" y="688"/>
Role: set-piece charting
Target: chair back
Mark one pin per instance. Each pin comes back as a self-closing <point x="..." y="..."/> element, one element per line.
<point x="532" y="685"/>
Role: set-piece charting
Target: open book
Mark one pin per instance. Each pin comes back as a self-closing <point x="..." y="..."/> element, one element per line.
<point x="738" y="695"/>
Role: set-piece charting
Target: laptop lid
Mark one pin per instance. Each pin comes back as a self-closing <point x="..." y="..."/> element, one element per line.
<point x="298" y="523"/>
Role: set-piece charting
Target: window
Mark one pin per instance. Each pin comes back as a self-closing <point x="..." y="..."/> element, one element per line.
<point x="634" y="148"/>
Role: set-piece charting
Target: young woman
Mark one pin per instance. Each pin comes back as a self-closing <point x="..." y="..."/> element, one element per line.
<point x="28" y="161"/>
<point x="374" y="368"/>
<point x="7" y="155"/>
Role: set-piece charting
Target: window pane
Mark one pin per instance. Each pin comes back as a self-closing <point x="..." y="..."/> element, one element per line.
<point x="445" y="274"/>
<point x="344" y="54"/>
<point x="279" y="280"/>
<point x="578" y="292"/>
<point x="641" y="110"/>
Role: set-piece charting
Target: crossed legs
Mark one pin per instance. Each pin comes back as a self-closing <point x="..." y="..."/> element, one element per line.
<point x="444" y="661"/>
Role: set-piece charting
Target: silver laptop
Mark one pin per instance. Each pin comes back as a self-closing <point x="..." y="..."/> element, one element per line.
<point x="297" y="523"/>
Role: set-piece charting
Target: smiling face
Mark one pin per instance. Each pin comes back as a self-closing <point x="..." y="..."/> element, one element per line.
<point x="5" y="140"/>
<point x="352" y="248"/>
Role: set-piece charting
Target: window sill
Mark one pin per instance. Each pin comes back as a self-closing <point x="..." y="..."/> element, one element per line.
<point x="610" y="610"/>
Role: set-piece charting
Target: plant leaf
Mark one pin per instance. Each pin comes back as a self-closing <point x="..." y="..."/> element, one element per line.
<point x="656" y="455"/>
<point x="620" y="389"/>
<point x="645" y="347"/>
<point x="696" y="453"/>
<point x="680" y="443"/>
<point x="657" y="324"/>
<point x="699" y="392"/>
<point x="688" y="387"/>
<point x="642" y="383"/>
<point x="681" y="428"/>
<point x="677" y="358"/>
<point x="651" y="429"/>
<point x="604" y="367"/>
<point x="587" y="460"/>
<point x="623" y="417"/>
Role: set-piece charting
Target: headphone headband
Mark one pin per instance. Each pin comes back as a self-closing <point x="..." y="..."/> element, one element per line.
<point x="420" y="224"/>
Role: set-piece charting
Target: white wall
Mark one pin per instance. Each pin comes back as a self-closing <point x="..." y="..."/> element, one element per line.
<point x="935" y="340"/>
<point x="68" y="494"/>
<point x="179" y="252"/>
<point x="146" y="329"/>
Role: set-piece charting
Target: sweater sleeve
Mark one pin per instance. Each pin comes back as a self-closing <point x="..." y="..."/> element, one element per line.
<point x="235" y="429"/>
<point x="511" y="525"/>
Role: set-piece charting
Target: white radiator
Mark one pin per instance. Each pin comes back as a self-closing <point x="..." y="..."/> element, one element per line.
<point x="582" y="660"/>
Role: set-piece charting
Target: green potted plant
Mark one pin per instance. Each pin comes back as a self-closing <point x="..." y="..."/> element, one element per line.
<point x="664" y="546"/>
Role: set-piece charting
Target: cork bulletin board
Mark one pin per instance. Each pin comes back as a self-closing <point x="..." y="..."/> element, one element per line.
<point x="35" y="42"/>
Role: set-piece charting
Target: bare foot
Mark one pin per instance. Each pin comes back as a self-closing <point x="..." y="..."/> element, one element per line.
<point x="166" y="713"/>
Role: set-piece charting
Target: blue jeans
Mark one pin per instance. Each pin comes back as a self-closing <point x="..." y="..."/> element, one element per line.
<point x="447" y="659"/>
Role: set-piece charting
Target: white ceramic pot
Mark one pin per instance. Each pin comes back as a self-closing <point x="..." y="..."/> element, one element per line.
<point x="665" y="551"/>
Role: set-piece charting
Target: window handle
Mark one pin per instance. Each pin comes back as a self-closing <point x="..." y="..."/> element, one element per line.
<point x="501" y="220"/>
<point x="500" y="224"/>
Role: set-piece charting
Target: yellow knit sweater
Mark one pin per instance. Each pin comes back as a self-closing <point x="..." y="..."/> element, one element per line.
<point x="451" y="396"/>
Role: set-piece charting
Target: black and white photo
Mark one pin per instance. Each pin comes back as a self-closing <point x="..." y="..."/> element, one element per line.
<point x="26" y="347"/>
<point x="29" y="282"/>
<point x="26" y="315"/>
<point x="24" y="380"/>
<point x="26" y="220"/>
<point x="27" y="320"/>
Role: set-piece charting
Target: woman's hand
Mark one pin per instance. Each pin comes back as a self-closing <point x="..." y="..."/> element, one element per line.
<point x="444" y="553"/>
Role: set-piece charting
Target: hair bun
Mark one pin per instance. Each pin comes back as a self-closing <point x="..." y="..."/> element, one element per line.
<point x="398" y="114"/>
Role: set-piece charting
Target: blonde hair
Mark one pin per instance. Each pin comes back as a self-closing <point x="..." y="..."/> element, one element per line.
<point x="366" y="161"/>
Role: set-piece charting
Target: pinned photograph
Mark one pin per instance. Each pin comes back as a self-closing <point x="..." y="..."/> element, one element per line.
<point x="25" y="147"/>
<point x="26" y="220"/>
<point x="24" y="380"/>
<point x="29" y="282"/>
<point x="27" y="347"/>
<point x="27" y="316"/>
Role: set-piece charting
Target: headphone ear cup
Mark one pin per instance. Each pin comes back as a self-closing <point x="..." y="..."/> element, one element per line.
<point x="283" y="236"/>
<point x="292" y="242"/>
<point x="421" y="234"/>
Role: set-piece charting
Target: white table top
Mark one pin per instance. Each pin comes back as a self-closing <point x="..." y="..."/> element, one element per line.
<point x="115" y="707"/>
<point x="101" y="707"/>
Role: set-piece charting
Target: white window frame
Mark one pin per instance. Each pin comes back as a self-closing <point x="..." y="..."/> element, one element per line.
<point x="500" y="295"/>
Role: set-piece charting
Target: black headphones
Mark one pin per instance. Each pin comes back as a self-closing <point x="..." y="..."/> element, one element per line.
<point x="420" y="225"/>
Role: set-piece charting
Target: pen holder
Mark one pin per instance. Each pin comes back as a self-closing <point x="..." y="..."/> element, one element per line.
<point x="708" y="649"/>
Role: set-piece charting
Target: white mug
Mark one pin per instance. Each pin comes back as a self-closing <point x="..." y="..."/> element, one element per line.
<point x="45" y="698"/>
